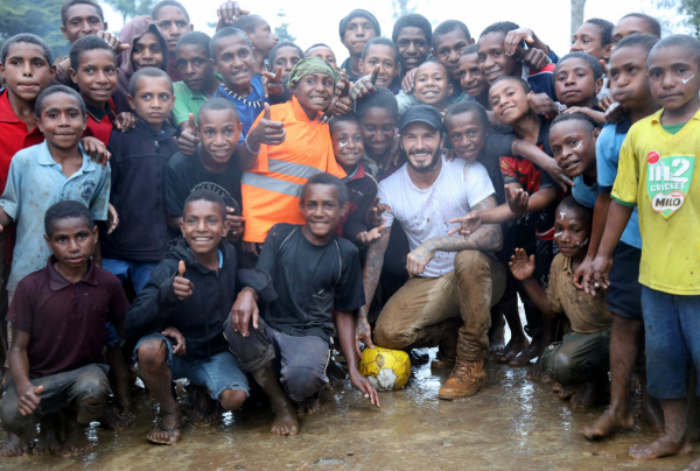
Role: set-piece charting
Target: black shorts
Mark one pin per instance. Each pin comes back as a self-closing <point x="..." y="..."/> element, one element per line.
<point x="625" y="291"/>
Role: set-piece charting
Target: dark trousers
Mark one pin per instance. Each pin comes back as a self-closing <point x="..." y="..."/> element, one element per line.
<point x="61" y="391"/>
<point x="300" y="361"/>
<point x="578" y="357"/>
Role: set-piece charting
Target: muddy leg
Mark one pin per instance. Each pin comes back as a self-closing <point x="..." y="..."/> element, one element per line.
<point x="673" y="440"/>
<point x="76" y="442"/>
<point x="285" y="422"/>
<point x="156" y="374"/>
<point x="625" y="340"/>
<point x="49" y="436"/>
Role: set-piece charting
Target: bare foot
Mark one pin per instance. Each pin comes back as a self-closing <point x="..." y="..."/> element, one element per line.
<point x="514" y="348"/>
<point x="167" y="430"/>
<point x="533" y="351"/>
<point x="49" y="437"/>
<point x="15" y="447"/>
<point x="694" y="466"/>
<point x="536" y="373"/>
<point x="205" y="409"/>
<point x="609" y="422"/>
<point x="565" y="393"/>
<point x="113" y="420"/>
<point x="653" y="414"/>
<point x="586" y="396"/>
<point x="662" y="446"/>
<point x="309" y="406"/>
<point x="497" y="340"/>
<point x="76" y="442"/>
<point x="285" y="422"/>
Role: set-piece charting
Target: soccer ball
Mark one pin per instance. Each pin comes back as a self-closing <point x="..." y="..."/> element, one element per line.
<point x="387" y="370"/>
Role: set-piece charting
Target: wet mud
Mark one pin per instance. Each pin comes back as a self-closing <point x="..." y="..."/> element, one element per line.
<point x="512" y="424"/>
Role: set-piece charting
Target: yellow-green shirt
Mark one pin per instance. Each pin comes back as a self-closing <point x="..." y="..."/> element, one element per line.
<point x="660" y="174"/>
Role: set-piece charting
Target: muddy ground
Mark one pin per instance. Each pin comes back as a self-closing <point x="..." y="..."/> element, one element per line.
<point x="513" y="424"/>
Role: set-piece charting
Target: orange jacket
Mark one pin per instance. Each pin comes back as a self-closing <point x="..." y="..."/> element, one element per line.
<point x="271" y="189"/>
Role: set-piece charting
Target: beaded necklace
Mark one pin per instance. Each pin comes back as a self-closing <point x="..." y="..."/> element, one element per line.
<point x="255" y="104"/>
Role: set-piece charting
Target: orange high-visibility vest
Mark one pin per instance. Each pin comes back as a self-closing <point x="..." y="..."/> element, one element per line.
<point x="271" y="189"/>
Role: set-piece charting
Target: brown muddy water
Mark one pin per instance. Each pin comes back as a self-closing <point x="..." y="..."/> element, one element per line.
<point x="512" y="424"/>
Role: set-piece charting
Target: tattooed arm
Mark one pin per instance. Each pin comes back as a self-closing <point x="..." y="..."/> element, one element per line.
<point x="487" y="238"/>
<point x="370" y="279"/>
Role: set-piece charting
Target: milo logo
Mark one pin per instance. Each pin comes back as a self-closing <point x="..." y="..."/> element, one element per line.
<point x="668" y="181"/>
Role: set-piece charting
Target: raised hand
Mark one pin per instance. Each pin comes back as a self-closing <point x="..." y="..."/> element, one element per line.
<point x="467" y="224"/>
<point x="271" y="133"/>
<point x="517" y="199"/>
<point x="179" y="345"/>
<point x="272" y="83"/>
<point x="521" y="265"/>
<point x="535" y="59"/>
<point x="189" y="138"/>
<point x="182" y="286"/>
<point x="365" y="86"/>
<point x="235" y="222"/>
<point x="375" y="212"/>
<point x="515" y="37"/>
<point x="229" y="12"/>
<point x="112" y="41"/>
<point x="367" y="237"/>
<point x="409" y="81"/>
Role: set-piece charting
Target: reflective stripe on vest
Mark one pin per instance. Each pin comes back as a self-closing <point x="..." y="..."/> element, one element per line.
<point x="277" y="185"/>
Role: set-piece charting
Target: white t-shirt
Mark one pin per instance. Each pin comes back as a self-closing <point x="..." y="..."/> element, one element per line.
<point x="425" y="214"/>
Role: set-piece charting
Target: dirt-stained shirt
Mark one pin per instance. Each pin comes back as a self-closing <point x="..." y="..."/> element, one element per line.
<point x="587" y="314"/>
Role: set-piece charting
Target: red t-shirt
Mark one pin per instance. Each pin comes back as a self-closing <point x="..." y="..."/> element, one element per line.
<point x="13" y="138"/>
<point x="100" y="127"/>
<point x="66" y="321"/>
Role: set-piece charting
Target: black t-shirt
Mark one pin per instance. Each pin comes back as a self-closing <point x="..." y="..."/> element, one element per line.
<point x="309" y="281"/>
<point x="186" y="173"/>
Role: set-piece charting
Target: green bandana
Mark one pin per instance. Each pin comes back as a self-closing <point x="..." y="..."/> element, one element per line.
<point x="312" y="65"/>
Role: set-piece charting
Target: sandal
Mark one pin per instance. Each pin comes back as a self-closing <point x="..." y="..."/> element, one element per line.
<point x="161" y="426"/>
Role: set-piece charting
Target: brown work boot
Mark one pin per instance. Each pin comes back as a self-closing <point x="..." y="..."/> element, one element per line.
<point x="466" y="380"/>
<point x="447" y="350"/>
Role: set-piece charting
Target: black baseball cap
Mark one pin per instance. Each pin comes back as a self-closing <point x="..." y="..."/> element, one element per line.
<point x="421" y="114"/>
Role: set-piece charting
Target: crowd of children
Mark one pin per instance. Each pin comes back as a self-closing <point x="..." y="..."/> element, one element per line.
<point x="230" y="209"/>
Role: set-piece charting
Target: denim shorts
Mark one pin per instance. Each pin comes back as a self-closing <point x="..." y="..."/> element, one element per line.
<point x="672" y="327"/>
<point x="217" y="373"/>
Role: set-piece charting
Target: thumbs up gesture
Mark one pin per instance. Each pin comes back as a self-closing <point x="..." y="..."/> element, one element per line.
<point x="267" y="132"/>
<point x="182" y="286"/>
<point x="189" y="138"/>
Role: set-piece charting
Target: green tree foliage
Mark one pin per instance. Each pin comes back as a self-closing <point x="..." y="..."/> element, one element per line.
<point x="401" y="8"/>
<point x="689" y="9"/>
<point x="132" y="8"/>
<point x="40" y="17"/>
<point x="282" y="31"/>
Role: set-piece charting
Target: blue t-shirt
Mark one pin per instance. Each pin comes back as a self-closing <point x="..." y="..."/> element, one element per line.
<point x="246" y="112"/>
<point x="585" y="194"/>
<point x="607" y="156"/>
<point x="35" y="182"/>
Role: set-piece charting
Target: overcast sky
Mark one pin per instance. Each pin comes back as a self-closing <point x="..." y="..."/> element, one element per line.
<point x="317" y="21"/>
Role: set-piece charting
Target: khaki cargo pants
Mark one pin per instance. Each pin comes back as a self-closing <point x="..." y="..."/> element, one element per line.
<point x="413" y="317"/>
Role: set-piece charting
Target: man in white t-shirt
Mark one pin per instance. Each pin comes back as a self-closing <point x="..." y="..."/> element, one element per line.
<point x="450" y="275"/>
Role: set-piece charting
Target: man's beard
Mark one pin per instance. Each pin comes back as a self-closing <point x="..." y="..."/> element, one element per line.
<point x="429" y="168"/>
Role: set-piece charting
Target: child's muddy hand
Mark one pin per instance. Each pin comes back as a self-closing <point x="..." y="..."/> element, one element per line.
<point x="29" y="399"/>
<point x="244" y="311"/>
<point x="179" y="344"/>
<point x="365" y="387"/>
<point x="182" y="286"/>
<point x="583" y="273"/>
<point x="521" y="265"/>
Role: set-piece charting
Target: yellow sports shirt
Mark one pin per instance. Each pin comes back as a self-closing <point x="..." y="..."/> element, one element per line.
<point x="659" y="173"/>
